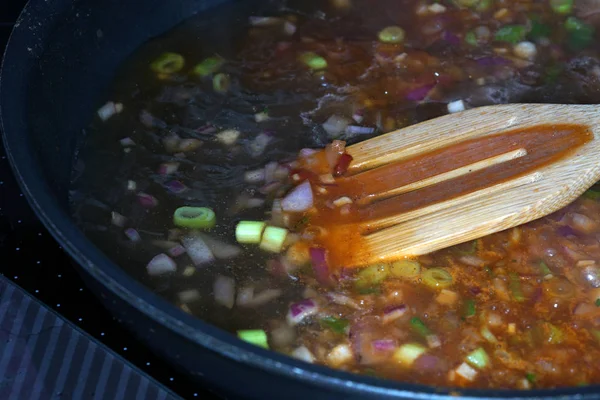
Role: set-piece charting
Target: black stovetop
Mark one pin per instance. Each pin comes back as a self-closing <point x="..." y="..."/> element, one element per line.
<point x="39" y="266"/>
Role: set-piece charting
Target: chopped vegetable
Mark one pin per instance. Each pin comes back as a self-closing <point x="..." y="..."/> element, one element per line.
<point x="408" y="353"/>
<point x="544" y="269"/>
<point x="510" y="33"/>
<point x="313" y="61"/>
<point x="194" y="217"/>
<point x="530" y="377"/>
<point x="209" y="66"/>
<point x="299" y="199"/>
<point x="562" y="6"/>
<point x="161" y="264"/>
<point x="478" y="358"/>
<point x="466" y="371"/>
<point x="405" y="269"/>
<point x="515" y="287"/>
<point x="437" y="278"/>
<point x="249" y="232"/>
<point x="471" y="38"/>
<point x="470" y="309"/>
<point x="228" y="137"/>
<point x="168" y="63"/>
<point x="273" y="239"/>
<point x="221" y="83"/>
<point x="338" y="325"/>
<point x="419" y="327"/>
<point x="391" y="34"/>
<point x="109" y="109"/>
<point x="257" y="337"/>
<point x="371" y="276"/>
<point x="580" y="33"/>
<point x="456" y="106"/>
<point x="197" y="250"/>
<point x="301" y="310"/>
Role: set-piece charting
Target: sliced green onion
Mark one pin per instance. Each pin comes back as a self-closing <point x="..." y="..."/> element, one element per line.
<point x="209" y="66"/>
<point x="221" y="83"/>
<point x="471" y="39"/>
<point x="562" y="6"/>
<point x="257" y="337"/>
<point x="544" y="269"/>
<point x="597" y="302"/>
<point x="337" y="325"/>
<point x="530" y="376"/>
<point x="437" y="278"/>
<point x="515" y="287"/>
<point x="488" y="335"/>
<point x="552" y="333"/>
<point x="470" y="308"/>
<point x="510" y="33"/>
<point x="273" y="239"/>
<point x="478" y="358"/>
<point x="391" y="34"/>
<point x="168" y="63"/>
<point x="313" y="61"/>
<point x="408" y="353"/>
<point x="405" y="269"/>
<point x="419" y="327"/>
<point x="249" y="231"/>
<point x="194" y="217"/>
<point x="371" y="276"/>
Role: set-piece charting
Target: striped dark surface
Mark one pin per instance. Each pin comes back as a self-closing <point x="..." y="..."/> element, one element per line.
<point x="43" y="356"/>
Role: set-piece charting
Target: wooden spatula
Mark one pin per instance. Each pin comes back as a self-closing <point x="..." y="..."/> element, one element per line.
<point x="463" y="176"/>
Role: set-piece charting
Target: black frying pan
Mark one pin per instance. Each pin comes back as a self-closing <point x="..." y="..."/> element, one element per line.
<point x="60" y="58"/>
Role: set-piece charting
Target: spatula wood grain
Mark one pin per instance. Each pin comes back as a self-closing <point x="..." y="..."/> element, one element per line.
<point x="466" y="175"/>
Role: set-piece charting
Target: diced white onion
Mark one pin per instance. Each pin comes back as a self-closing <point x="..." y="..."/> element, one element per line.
<point x="456" y="106"/>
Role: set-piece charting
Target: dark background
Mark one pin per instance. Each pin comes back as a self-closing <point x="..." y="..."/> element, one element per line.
<point x="31" y="258"/>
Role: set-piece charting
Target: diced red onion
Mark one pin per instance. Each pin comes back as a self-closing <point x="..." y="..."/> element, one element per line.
<point x="127" y="142"/>
<point x="224" y="291"/>
<point x="303" y="354"/>
<point x="299" y="199"/>
<point x="301" y="310"/>
<point x="451" y="38"/>
<point x="117" y="219"/>
<point x="146" y="200"/>
<point x="109" y="109"/>
<point x="220" y="249"/>
<point x="419" y="93"/>
<point x="161" y="264"/>
<point x="583" y="223"/>
<point x="264" y="21"/>
<point x="307" y="152"/>
<point x="566" y="231"/>
<point x="392" y="313"/>
<point x="359" y="115"/>
<point x="428" y="362"/>
<point x="384" y="344"/>
<point x="206" y="129"/>
<point x="168" y="168"/>
<point x="342" y="300"/>
<point x="176" y="187"/>
<point x="281" y="267"/>
<point x="343" y="164"/>
<point x="335" y="125"/>
<point x="289" y="28"/>
<point x="245" y="296"/>
<point x="333" y="151"/>
<point x="197" y="250"/>
<point x="359" y="130"/>
<point x="259" y="144"/>
<point x="132" y="235"/>
<point x="176" y="251"/>
<point x="318" y="258"/>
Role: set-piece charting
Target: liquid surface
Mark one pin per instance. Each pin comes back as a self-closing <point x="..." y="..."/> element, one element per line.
<point x="517" y="309"/>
